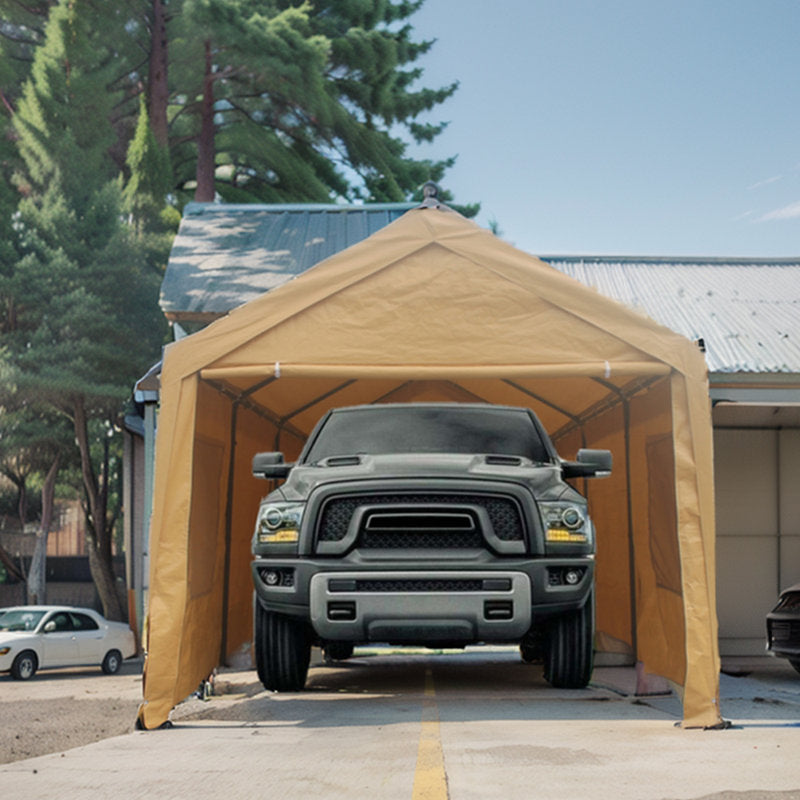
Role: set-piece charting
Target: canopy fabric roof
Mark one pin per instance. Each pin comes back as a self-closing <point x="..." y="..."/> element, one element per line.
<point x="432" y="307"/>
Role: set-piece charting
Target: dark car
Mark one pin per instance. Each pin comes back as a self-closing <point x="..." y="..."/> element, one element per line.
<point x="783" y="626"/>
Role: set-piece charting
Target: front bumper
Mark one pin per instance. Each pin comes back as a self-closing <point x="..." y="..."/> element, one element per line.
<point x="783" y="634"/>
<point x="407" y="604"/>
<point x="404" y="608"/>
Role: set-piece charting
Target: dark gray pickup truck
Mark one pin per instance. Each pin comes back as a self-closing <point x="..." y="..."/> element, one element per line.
<point x="439" y="525"/>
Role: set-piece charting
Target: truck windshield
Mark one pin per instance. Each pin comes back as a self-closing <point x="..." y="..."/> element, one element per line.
<point x="412" y="429"/>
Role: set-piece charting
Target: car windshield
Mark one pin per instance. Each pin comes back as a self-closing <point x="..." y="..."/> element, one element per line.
<point x="428" y="429"/>
<point x="20" y="619"/>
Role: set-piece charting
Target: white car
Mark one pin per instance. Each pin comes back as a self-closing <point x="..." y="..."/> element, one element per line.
<point x="35" y="637"/>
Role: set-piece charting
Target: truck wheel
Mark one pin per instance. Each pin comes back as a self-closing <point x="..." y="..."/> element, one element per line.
<point x="283" y="651"/>
<point x="795" y="662"/>
<point x="338" y="651"/>
<point x="569" y="646"/>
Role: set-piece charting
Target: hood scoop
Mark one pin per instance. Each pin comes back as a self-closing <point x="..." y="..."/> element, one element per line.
<point x="504" y="461"/>
<point x="341" y="461"/>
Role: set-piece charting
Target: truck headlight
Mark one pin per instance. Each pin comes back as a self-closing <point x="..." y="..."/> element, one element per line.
<point x="565" y="523"/>
<point x="279" y="523"/>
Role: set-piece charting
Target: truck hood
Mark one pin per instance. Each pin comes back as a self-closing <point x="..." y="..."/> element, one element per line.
<point x="304" y="479"/>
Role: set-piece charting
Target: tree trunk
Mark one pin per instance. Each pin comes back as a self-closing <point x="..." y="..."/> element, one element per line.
<point x="98" y="534"/>
<point x="157" y="88"/>
<point x="19" y="479"/>
<point x="106" y="583"/>
<point x="37" y="583"/>
<point x="204" y="193"/>
<point x="22" y="503"/>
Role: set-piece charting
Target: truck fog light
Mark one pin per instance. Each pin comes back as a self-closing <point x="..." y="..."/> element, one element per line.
<point x="571" y="577"/>
<point x="271" y="577"/>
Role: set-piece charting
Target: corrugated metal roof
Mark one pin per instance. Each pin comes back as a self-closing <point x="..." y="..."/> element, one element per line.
<point x="747" y="311"/>
<point x="225" y="255"/>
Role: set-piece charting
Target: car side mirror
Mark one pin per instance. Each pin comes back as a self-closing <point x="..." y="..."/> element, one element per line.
<point x="589" y="464"/>
<point x="270" y="465"/>
<point x="50" y="626"/>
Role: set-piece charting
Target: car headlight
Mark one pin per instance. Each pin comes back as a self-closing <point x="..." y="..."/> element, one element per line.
<point x="789" y="602"/>
<point x="279" y="523"/>
<point x="565" y="523"/>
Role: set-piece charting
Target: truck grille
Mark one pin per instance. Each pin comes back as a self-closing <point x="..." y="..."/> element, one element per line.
<point x="446" y="521"/>
<point x="417" y="585"/>
<point x="785" y="632"/>
<point x="434" y="539"/>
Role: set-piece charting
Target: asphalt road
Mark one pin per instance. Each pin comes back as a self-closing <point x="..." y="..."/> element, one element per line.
<point x="476" y="725"/>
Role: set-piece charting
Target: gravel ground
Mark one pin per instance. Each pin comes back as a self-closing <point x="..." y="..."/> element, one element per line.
<point x="60" y="709"/>
<point x="38" y="727"/>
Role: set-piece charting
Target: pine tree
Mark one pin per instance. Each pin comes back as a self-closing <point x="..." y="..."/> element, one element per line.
<point x="240" y="63"/>
<point x="150" y="178"/>
<point x="372" y="72"/>
<point x="287" y="102"/>
<point x="21" y="31"/>
<point x="269" y="101"/>
<point x="89" y="322"/>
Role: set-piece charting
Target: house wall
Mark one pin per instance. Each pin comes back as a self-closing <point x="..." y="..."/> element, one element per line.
<point x="68" y="582"/>
<point x="67" y="594"/>
<point x="757" y="470"/>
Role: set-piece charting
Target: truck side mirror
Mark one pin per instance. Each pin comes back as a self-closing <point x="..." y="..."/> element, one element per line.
<point x="589" y="464"/>
<point x="270" y="465"/>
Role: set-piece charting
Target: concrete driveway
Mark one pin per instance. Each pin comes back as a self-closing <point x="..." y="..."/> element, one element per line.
<point x="474" y="725"/>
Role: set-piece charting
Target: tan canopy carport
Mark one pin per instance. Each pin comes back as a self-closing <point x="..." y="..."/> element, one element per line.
<point x="433" y="307"/>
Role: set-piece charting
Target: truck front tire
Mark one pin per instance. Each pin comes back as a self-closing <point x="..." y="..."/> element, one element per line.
<point x="283" y="651"/>
<point x="569" y="648"/>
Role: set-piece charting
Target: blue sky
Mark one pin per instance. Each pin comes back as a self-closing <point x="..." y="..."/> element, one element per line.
<point x="627" y="127"/>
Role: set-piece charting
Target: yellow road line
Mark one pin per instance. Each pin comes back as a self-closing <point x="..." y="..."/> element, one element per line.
<point x="430" y="781"/>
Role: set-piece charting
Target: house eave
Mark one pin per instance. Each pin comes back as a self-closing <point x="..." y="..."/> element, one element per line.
<point x="755" y="388"/>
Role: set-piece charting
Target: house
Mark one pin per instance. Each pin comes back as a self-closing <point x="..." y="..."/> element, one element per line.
<point x="744" y="314"/>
